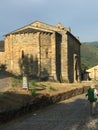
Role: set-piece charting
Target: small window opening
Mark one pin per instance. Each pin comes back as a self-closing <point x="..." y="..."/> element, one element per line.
<point x="46" y="53"/>
<point x="22" y="54"/>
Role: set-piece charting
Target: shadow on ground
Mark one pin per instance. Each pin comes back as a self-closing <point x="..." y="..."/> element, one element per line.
<point x="72" y="114"/>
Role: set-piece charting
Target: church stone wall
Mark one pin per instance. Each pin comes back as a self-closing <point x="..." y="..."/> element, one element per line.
<point x="73" y="52"/>
<point x="37" y="53"/>
<point x="45" y="54"/>
<point x="2" y="58"/>
<point x="17" y="44"/>
<point x="43" y="51"/>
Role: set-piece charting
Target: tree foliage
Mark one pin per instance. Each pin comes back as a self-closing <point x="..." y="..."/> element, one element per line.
<point x="89" y="54"/>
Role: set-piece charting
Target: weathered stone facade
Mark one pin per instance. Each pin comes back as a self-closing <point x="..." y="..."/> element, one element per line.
<point x="92" y="73"/>
<point x="2" y="53"/>
<point x="43" y="51"/>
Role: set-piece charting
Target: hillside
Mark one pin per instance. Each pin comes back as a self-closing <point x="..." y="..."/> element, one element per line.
<point x="89" y="53"/>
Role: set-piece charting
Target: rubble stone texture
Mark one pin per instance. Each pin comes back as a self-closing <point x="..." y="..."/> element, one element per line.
<point x="43" y="51"/>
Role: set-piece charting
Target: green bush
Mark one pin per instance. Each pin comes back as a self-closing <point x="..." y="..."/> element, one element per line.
<point x="33" y="92"/>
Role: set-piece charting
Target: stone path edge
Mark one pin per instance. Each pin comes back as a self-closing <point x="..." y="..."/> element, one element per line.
<point x="40" y="102"/>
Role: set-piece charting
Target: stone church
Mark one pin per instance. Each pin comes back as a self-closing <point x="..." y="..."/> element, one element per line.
<point x="43" y="51"/>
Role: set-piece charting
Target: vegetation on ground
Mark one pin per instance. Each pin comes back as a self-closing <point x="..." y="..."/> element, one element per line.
<point x="89" y="54"/>
<point x="17" y="96"/>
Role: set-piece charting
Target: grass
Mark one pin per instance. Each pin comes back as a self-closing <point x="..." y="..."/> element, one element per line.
<point x="33" y="83"/>
<point x="16" y="82"/>
<point x="52" y="88"/>
<point x="17" y="96"/>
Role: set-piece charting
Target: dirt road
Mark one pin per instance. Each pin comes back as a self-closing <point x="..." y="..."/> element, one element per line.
<point x="71" y="114"/>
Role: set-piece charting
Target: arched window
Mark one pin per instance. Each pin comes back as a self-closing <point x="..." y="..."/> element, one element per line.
<point x="22" y="55"/>
<point x="47" y="53"/>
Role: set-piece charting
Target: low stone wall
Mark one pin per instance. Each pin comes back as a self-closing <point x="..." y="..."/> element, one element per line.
<point x="40" y="101"/>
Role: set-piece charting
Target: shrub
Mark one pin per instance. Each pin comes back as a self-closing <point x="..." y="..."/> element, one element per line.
<point x="33" y="92"/>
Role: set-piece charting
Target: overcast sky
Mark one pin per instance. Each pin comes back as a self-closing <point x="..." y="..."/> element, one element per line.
<point x="80" y="15"/>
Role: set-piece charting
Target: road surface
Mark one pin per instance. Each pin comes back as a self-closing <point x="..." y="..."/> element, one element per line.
<point x="71" y="114"/>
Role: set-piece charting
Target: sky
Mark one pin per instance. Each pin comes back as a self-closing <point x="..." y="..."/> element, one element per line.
<point x="80" y="15"/>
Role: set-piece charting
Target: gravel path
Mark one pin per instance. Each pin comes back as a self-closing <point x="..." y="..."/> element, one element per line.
<point x="71" y="114"/>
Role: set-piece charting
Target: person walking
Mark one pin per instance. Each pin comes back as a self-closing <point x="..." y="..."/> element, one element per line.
<point x="92" y="97"/>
